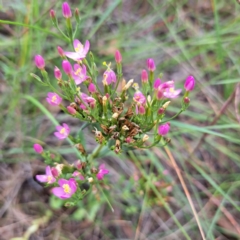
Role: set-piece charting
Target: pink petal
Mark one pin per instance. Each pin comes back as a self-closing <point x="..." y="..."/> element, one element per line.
<point x="41" y="178"/>
<point x="86" y="47"/>
<point x="76" y="42"/>
<point x="48" y="171"/>
<point x="72" y="55"/>
<point x="62" y="181"/>
<point x="59" y="135"/>
<point x="59" y="128"/>
<point x="58" y="191"/>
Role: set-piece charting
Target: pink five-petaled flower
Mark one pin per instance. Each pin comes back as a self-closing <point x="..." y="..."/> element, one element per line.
<point x="66" y="11"/>
<point x="63" y="131"/>
<point x="79" y="74"/>
<point x="151" y="65"/>
<point x="38" y="148"/>
<point x="139" y="98"/>
<point x="81" y="51"/>
<point x="49" y="178"/>
<point x="171" y="92"/>
<point x="67" y="188"/>
<point x="53" y="99"/>
<point x="39" y="61"/>
<point x="109" y="77"/>
<point x="164" y="129"/>
<point x="102" y="171"/>
<point x="87" y="101"/>
<point x="189" y="83"/>
<point x="78" y="174"/>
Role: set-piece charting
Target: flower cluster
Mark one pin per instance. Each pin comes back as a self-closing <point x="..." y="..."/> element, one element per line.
<point x="117" y="117"/>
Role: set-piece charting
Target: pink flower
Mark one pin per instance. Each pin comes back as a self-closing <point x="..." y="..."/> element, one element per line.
<point x="110" y="76"/>
<point x="157" y="83"/>
<point x="39" y="61"/>
<point x="55" y="172"/>
<point x="164" y="129"/>
<point x="66" y="11"/>
<point x="57" y="73"/>
<point x="144" y="76"/>
<point x="92" y="88"/>
<point x="151" y="65"/>
<point x="140" y="109"/>
<point x="139" y="98"/>
<point x="118" y="57"/>
<point x="49" y="178"/>
<point x="78" y="174"/>
<point x="63" y="131"/>
<point x="87" y="100"/>
<point x="171" y="93"/>
<point x="81" y="51"/>
<point x="189" y="83"/>
<point x="79" y="74"/>
<point x="102" y="171"/>
<point x="168" y="84"/>
<point x="67" y="67"/>
<point x="67" y="188"/>
<point x="38" y="148"/>
<point x="53" y="99"/>
<point x="71" y="110"/>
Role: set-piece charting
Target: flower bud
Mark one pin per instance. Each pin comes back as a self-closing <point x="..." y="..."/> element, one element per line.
<point x="60" y="51"/>
<point x="161" y="111"/>
<point x="128" y="85"/>
<point x="164" y="129"/>
<point x="157" y="83"/>
<point x="144" y="76"/>
<point x="165" y="105"/>
<point x="55" y="172"/>
<point x="118" y="57"/>
<point x="52" y="14"/>
<point x="92" y="88"/>
<point x="71" y="110"/>
<point x="57" y="73"/>
<point x="151" y="65"/>
<point x="38" y="148"/>
<point x="104" y="100"/>
<point x="67" y="67"/>
<point x="66" y="11"/>
<point x="145" y="138"/>
<point x="189" y="83"/>
<point x="77" y="15"/>
<point x="39" y="61"/>
<point x="186" y="100"/>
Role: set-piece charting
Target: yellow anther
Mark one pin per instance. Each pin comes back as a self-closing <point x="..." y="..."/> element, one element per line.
<point x="66" y="188"/>
<point x="63" y="130"/>
<point x="54" y="99"/>
<point x="49" y="179"/>
<point x="79" y="47"/>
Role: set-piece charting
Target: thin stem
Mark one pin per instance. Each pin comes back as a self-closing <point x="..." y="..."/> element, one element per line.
<point x="185" y="190"/>
<point x="173" y="116"/>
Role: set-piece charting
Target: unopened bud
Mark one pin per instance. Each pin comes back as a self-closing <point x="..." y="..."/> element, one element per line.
<point x="118" y="57"/>
<point x="165" y="105"/>
<point x="145" y="138"/>
<point x="60" y="51"/>
<point x="125" y="128"/>
<point x="77" y="15"/>
<point x="161" y="110"/>
<point x="71" y="110"/>
<point x="186" y="100"/>
<point x="90" y="180"/>
<point x="128" y="85"/>
<point x="115" y="115"/>
<point x="104" y="100"/>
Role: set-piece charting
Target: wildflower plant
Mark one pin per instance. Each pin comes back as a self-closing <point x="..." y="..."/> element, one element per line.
<point x="121" y="114"/>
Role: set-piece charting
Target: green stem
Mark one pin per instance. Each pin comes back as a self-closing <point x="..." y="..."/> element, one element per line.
<point x="173" y="116"/>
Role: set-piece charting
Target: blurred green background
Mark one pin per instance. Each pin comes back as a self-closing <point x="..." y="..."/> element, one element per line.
<point x="199" y="38"/>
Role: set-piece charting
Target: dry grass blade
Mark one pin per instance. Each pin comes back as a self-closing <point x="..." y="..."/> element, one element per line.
<point x="178" y="171"/>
